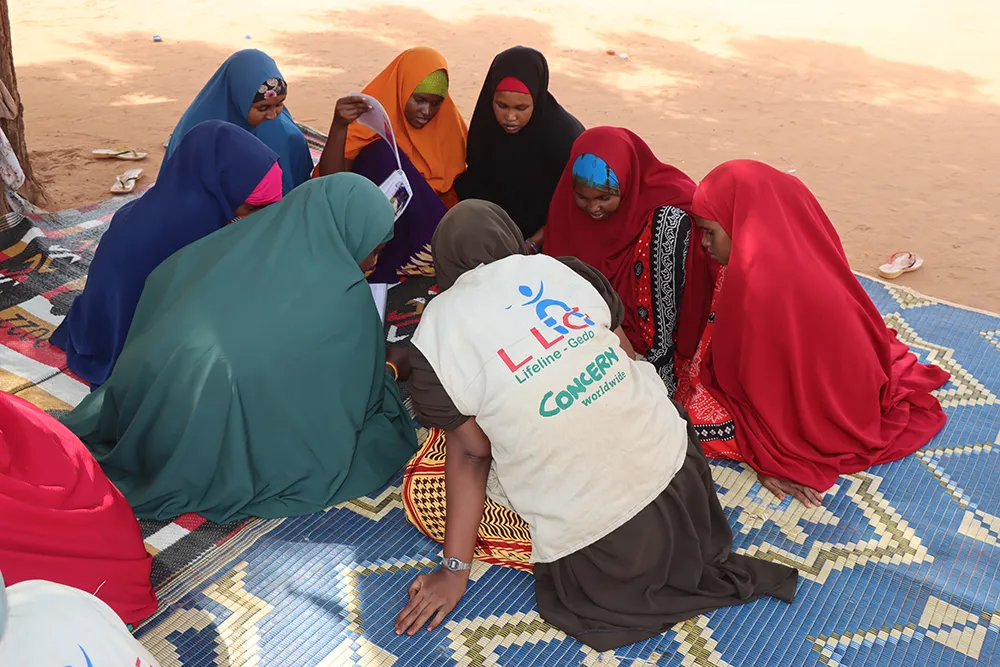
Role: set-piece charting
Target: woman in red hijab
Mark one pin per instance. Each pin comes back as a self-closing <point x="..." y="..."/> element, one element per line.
<point x="622" y="211"/>
<point x="61" y="520"/>
<point x="791" y="350"/>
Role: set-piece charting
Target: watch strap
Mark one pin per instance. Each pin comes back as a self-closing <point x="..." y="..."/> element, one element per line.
<point x="455" y="565"/>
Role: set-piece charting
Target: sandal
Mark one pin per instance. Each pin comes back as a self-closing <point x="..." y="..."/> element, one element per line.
<point x="125" y="183"/>
<point x="118" y="154"/>
<point x="900" y="263"/>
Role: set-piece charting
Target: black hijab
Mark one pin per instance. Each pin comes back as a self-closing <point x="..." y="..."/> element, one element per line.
<point x="518" y="172"/>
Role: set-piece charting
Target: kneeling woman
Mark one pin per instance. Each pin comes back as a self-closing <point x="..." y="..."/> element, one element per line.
<point x="782" y="350"/>
<point x="220" y="173"/>
<point x="621" y="210"/>
<point x="521" y="361"/>
<point x="253" y="381"/>
<point x="249" y="92"/>
<point x="430" y="134"/>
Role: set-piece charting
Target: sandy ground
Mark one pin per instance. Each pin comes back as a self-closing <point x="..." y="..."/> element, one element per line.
<point x="888" y="109"/>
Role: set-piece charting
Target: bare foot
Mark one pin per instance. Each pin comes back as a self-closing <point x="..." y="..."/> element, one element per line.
<point x="781" y="487"/>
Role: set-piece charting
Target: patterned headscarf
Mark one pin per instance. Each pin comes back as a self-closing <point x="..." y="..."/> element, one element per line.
<point x="435" y="83"/>
<point x="593" y="172"/>
<point x="273" y="87"/>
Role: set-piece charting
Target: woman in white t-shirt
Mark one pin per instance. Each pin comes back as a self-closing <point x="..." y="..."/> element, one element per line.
<point x="522" y="362"/>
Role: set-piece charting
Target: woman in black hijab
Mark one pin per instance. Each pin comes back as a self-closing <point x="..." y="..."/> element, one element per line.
<point x="519" y="141"/>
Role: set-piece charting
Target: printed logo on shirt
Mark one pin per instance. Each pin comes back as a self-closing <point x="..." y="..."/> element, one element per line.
<point x="564" y="320"/>
<point x="584" y="386"/>
<point x="138" y="661"/>
<point x="85" y="657"/>
<point x="565" y="327"/>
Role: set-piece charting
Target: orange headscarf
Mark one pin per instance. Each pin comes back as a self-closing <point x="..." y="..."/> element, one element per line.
<point x="436" y="150"/>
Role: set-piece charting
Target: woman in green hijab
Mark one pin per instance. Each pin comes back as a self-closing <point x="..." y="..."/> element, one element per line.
<point x="253" y="380"/>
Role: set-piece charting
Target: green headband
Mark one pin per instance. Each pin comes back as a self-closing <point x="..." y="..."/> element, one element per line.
<point x="435" y="83"/>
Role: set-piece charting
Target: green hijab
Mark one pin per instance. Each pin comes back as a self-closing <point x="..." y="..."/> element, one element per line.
<point x="253" y="380"/>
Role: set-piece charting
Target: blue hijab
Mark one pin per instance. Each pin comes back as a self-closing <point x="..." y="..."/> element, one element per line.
<point x="216" y="167"/>
<point x="228" y="96"/>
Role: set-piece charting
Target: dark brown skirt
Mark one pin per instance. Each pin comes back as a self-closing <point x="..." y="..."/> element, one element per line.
<point x="671" y="562"/>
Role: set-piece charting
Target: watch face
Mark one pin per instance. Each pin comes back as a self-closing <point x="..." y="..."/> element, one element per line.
<point x="455" y="565"/>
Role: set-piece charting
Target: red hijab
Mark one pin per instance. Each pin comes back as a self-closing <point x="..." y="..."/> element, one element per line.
<point x="62" y="520"/>
<point x="800" y="356"/>
<point x="609" y="245"/>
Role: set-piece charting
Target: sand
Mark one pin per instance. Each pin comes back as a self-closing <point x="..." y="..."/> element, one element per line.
<point x="888" y="109"/>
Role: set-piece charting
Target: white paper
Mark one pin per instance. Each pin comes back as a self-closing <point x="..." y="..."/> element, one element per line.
<point x="376" y="118"/>
<point x="380" y="293"/>
<point x="396" y="187"/>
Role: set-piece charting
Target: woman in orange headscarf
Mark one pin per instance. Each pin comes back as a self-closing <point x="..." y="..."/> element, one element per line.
<point x="430" y="134"/>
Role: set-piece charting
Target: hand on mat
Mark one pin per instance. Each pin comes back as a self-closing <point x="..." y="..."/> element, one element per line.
<point x="349" y="109"/>
<point x="432" y="597"/>
<point x="399" y="356"/>
<point x="780" y="487"/>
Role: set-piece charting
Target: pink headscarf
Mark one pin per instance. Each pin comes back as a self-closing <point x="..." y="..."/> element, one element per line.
<point x="268" y="190"/>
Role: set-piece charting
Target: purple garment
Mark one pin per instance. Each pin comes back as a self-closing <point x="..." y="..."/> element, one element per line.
<point x="216" y="167"/>
<point x="414" y="229"/>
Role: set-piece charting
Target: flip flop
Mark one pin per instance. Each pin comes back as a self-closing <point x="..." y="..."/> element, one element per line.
<point x="118" y="154"/>
<point x="900" y="263"/>
<point x="125" y="183"/>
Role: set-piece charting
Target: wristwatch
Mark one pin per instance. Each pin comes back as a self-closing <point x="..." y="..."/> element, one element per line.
<point x="455" y="565"/>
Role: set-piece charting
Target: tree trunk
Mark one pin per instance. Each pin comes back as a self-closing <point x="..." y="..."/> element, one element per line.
<point x="14" y="128"/>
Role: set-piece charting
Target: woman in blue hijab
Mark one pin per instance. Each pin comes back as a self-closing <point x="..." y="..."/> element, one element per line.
<point x="219" y="173"/>
<point x="249" y="92"/>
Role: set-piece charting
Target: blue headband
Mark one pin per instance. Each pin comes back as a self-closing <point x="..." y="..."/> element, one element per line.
<point x="593" y="172"/>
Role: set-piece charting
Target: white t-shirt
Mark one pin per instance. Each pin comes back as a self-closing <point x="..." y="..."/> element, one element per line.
<point x="43" y="624"/>
<point x="582" y="436"/>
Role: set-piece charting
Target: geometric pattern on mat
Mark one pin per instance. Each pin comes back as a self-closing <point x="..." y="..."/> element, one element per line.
<point x="993" y="336"/>
<point x="964" y="633"/>
<point x="901" y="565"/>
